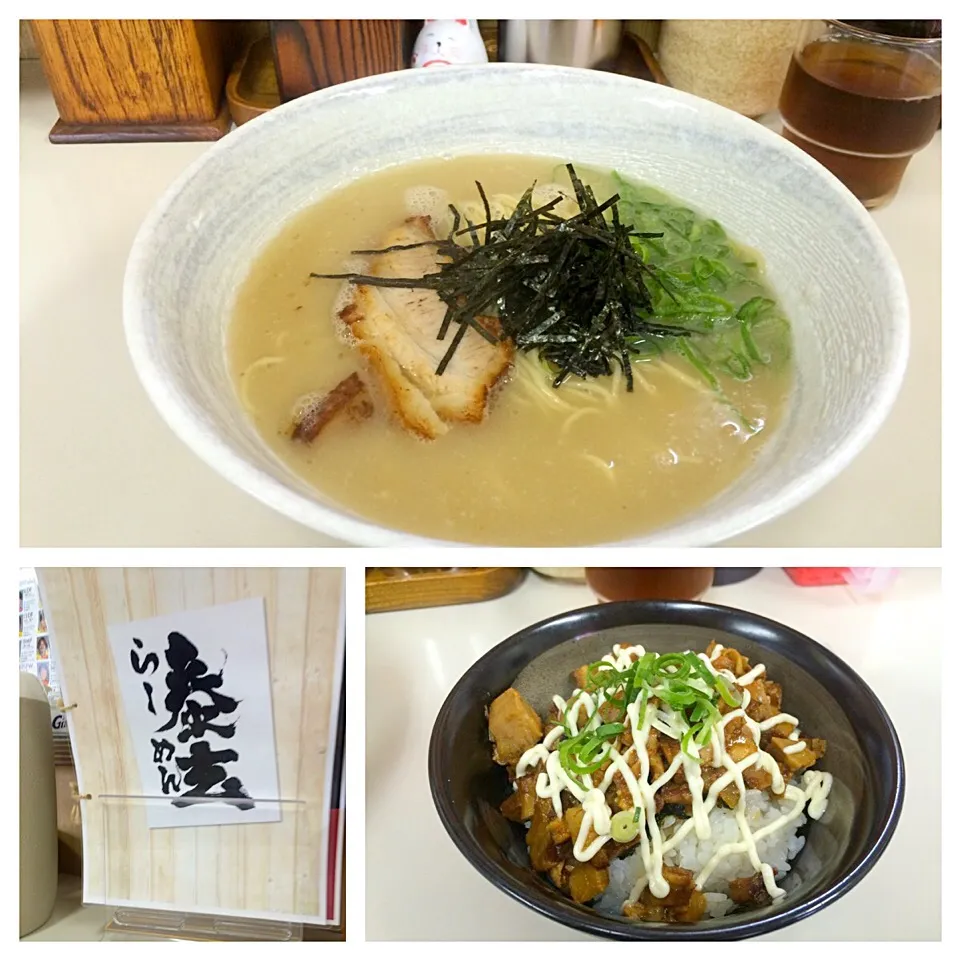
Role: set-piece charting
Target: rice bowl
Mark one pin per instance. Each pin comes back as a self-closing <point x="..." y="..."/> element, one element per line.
<point x="687" y="759"/>
<point x="864" y="756"/>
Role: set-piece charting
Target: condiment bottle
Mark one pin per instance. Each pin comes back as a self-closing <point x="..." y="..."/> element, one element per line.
<point x="740" y="64"/>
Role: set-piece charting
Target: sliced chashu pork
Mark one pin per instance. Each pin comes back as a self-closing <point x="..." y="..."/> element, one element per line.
<point x="396" y="330"/>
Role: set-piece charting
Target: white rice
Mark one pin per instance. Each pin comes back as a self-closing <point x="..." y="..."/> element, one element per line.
<point x="693" y="854"/>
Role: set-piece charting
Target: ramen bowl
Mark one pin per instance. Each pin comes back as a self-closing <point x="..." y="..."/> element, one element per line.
<point x="831" y="269"/>
<point x="863" y="754"/>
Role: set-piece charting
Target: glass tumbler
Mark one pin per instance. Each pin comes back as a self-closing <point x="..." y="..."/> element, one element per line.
<point x="862" y="97"/>
<point x="649" y="583"/>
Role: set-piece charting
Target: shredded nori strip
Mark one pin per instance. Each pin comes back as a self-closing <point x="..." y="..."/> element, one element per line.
<point x="575" y="289"/>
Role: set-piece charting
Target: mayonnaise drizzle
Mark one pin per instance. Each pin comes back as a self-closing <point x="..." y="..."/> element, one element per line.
<point x="553" y="779"/>
<point x="752" y="675"/>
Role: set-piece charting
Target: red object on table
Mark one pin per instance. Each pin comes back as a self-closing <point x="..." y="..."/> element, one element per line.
<point x="817" y="576"/>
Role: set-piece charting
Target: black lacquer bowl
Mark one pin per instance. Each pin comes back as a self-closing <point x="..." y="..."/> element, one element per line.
<point x="831" y="701"/>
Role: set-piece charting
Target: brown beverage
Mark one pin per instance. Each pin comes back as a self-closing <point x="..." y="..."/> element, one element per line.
<point x="649" y="583"/>
<point x="862" y="108"/>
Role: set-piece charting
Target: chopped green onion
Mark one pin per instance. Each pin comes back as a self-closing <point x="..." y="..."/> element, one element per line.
<point x="636" y="677"/>
<point x="673" y="666"/>
<point x="570" y="763"/>
<point x="588" y="749"/>
<point x="702" y="670"/>
<point x="624" y="826"/>
<point x="698" y="363"/>
<point x="568" y="725"/>
<point x="609" y="730"/>
<point x="685" y="743"/>
<point x="713" y="714"/>
<point x="645" y="663"/>
<point x="731" y="697"/>
<point x="703" y="734"/>
<point x="594" y="670"/>
<point x="578" y="755"/>
<point x="642" y="711"/>
<point x="574" y="766"/>
<point x="678" y="694"/>
<point x="683" y="682"/>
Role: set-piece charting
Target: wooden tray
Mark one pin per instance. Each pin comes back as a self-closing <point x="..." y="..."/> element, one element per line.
<point x="436" y="587"/>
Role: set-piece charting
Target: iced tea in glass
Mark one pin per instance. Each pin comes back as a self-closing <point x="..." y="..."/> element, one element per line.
<point x="863" y="97"/>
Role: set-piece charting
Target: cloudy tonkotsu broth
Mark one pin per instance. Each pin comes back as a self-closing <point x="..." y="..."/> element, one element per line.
<point x="546" y="467"/>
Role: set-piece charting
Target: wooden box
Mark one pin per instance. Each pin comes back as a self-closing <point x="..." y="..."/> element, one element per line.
<point x="313" y="54"/>
<point x="134" y="80"/>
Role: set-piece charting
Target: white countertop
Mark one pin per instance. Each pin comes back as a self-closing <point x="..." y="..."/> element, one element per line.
<point x="74" y="921"/>
<point x="99" y="467"/>
<point x="420" y="887"/>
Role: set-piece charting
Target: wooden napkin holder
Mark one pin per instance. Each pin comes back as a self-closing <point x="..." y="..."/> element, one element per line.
<point x="135" y="80"/>
<point x="313" y="54"/>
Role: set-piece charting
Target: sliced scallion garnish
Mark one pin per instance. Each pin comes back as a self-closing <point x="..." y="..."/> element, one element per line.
<point x="674" y="666"/>
<point x="683" y="682"/>
<point x="609" y="730"/>
<point x="643" y="698"/>
<point x="686" y="740"/>
<point x="731" y="697"/>
<point x="702" y="670"/>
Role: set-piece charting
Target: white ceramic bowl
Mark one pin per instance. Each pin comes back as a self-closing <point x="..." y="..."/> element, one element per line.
<point x="831" y="268"/>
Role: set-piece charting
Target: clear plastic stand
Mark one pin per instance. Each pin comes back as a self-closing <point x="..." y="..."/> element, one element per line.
<point x="136" y="923"/>
<point x="269" y="867"/>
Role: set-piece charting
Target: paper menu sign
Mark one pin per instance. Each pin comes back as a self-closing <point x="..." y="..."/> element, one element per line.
<point x="196" y="694"/>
